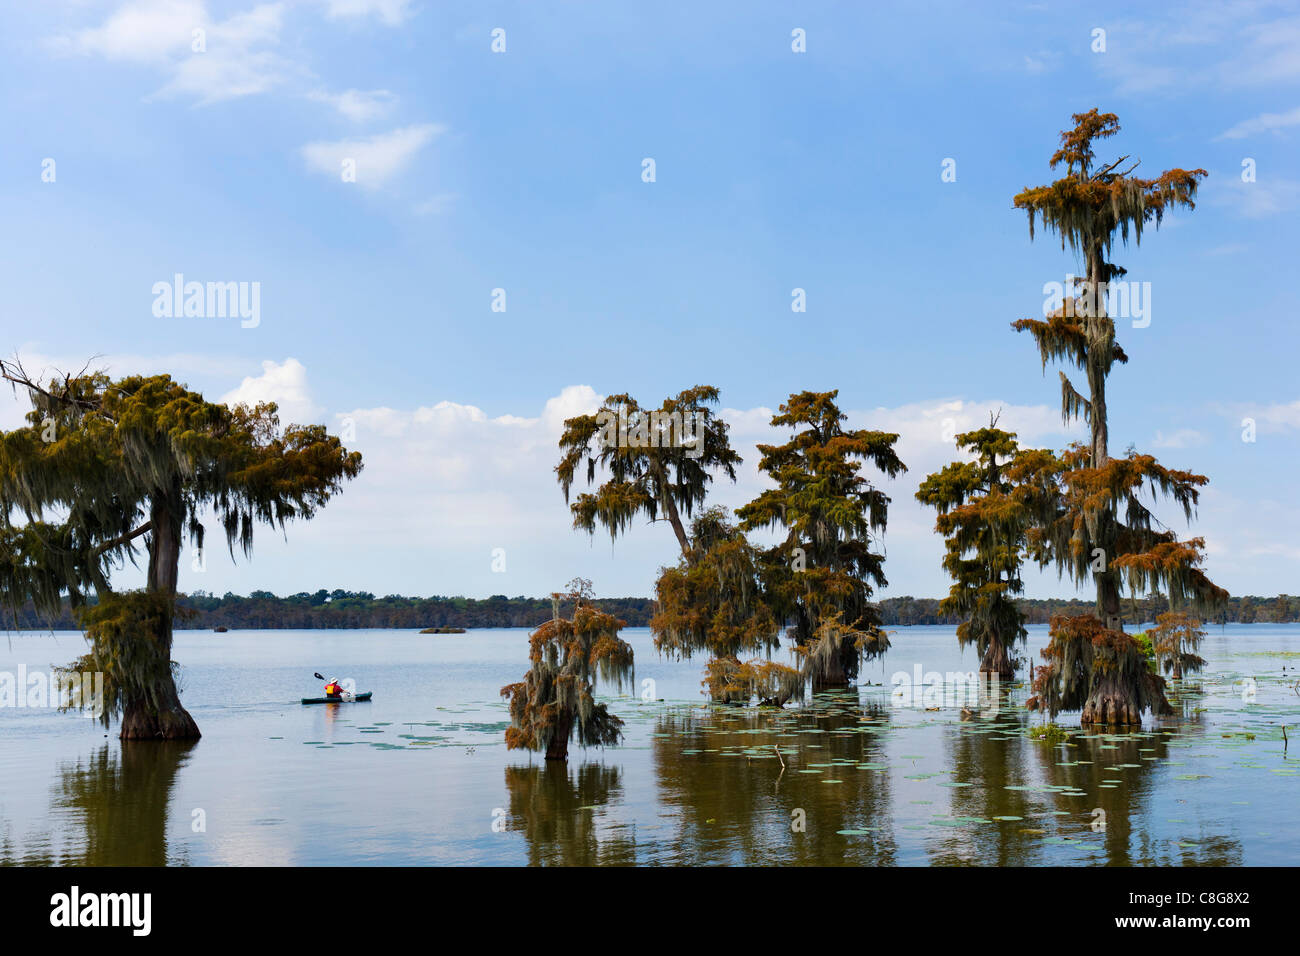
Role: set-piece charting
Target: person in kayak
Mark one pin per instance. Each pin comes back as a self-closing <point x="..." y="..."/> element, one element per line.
<point x="334" y="689"/>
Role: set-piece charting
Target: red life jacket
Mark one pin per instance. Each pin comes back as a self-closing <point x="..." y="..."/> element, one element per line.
<point x="333" y="690"/>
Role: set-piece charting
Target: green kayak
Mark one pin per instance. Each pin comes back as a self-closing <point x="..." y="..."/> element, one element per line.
<point x="336" y="700"/>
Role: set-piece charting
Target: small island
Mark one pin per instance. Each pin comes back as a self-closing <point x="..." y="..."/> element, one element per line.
<point x="443" y="630"/>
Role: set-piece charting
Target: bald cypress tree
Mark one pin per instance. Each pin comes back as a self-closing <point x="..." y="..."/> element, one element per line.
<point x="821" y="576"/>
<point x="713" y="602"/>
<point x="1089" y="208"/>
<point x="657" y="462"/>
<point x="1100" y="529"/>
<point x="1175" y="640"/>
<point x="106" y="467"/>
<point x="555" y="701"/>
<point x="987" y="508"/>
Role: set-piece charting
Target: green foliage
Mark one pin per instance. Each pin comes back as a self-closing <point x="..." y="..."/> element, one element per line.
<point x="1102" y="509"/>
<point x="712" y="600"/>
<point x="129" y="644"/>
<point x="659" y="462"/>
<point x="835" y="646"/>
<point x="124" y="450"/>
<point x="825" y="568"/>
<point x="731" y="681"/>
<point x="1143" y="641"/>
<point x="1088" y="208"/>
<point x="555" y="699"/>
<point x="101" y="465"/>
<point x="1048" y="733"/>
<point x="987" y="509"/>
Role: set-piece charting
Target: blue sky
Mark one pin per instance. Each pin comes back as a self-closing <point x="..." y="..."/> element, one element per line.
<point x="522" y="170"/>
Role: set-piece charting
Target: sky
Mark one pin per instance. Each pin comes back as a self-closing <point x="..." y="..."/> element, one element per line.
<point x="384" y="172"/>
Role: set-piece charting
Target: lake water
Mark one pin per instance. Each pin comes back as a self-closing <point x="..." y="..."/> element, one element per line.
<point x="421" y="775"/>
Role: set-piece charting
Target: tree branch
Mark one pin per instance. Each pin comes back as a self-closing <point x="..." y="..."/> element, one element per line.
<point x="123" y="539"/>
<point x="1108" y="167"/>
<point x="17" y="375"/>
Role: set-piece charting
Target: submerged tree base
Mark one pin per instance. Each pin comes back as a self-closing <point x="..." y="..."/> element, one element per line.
<point x="1110" y="705"/>
<point x="141" y="723"/>
<point x="997" y="660"/>
<point x="1100" y="672"/>
<point x="832" y="658"/>
<point x="130" y="636"/>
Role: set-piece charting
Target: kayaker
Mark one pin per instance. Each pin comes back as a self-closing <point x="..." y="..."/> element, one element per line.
<point x="334" y="689"/>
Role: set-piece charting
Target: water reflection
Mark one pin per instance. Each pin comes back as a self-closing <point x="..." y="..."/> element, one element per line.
<point x="1085" y="799"/>
<point x="737" y="798"/>
<point x="986" y="757"/>
<point x="559" y="810"/>
<point x="108" y="809"/>
<point x="1136" y="762"/>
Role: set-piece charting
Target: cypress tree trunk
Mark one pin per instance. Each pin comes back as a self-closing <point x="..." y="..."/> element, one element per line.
<point x="1110" y="703"/>
<point x="670" y="509"/>
<point x="837" y="677"/>
<point x="1100" y="344"/>
<point x="997" y="660"/>
<point x="558" y="748"/>
<point x="158" y="715"/>
<point x="168" y="720"/>
<point x="1108" y="605"/>
<point x="719" y="694"/>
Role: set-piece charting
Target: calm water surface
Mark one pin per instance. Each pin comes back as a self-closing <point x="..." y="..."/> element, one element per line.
<point x="421" y="774"/>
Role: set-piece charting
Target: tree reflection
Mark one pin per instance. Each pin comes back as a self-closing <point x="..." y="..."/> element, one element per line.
<point x="559" y="810"/>
<point x="718" y="768"/>
<point x="109" y="809"/>
<point x="1011" y="773"/>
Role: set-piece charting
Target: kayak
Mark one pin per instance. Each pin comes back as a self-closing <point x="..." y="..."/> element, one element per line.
<point x="336" y="700"/>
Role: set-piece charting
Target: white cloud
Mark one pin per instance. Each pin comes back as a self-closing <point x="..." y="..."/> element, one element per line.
<point x="1234" y="45"/>
<point x="378" y="158"/>
<point x="360" y="106"/>
<point x="142" y="31"/>
<point x="1263" y="123"/>
<point x="1181" y="438"/>
<point x="388" y="12"/>
<point x="1267" y="196"/>
<point x="285" y="384"/>
<point x="235" y="58"/>
<point x="1279" y="416"/>
<point x="234" y="64"/>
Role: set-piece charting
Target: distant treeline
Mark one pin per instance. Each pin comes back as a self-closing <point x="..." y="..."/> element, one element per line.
<point x="1240" y="610"/>
<point x="355" y="609"/>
